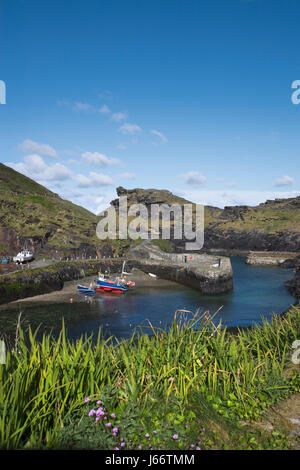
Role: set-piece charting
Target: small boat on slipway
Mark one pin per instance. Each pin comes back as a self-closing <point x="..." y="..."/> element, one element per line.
<point x="85" y="290"/>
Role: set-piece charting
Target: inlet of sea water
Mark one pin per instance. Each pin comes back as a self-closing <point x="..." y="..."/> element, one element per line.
<point x="258" y="293"/>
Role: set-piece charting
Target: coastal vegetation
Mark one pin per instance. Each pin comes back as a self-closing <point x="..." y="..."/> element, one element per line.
<point x="193" y="386"/>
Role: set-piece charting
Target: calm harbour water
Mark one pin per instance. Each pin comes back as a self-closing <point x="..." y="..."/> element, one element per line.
<point x="258" y="292"/>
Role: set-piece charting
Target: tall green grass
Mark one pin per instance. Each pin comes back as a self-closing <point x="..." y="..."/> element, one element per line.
<point x="43" y="384"/>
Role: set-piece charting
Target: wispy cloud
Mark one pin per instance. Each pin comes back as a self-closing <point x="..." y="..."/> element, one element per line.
<point x="117" y="117"/>
<point x="79" y="106"/>
<point x="131" y="129"/>
<point x="128" y="176"/>
<point x="35" y="147"/>
<point x="284" y="181"/>
<point x="104" y="109"/>
<point x="160" y="135"/>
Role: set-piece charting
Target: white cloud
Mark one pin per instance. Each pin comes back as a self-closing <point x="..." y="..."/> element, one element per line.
<point x="117" y="117"/>
<point x="99" y="159"/>
<point x="160" y="135"/>
<point x="131" y="129"/>
<point x="93" y="180"/>
<point x="194" y="178"/>
<point x="34" y="167"/>
<point x="42" y="149"/>
<point x="284" y="181"/>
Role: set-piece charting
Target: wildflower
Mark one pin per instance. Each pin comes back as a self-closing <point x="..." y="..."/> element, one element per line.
<point x="97" y="419"/>
<point x="122" y="439"/>
<point x="115" y="430"/>
<point x="114" y="434"/>
<point x="108" y="425"/>
<point x="123" y="444"/>
<point x="199" y="442"/>
<point x="192" y="446"/>
<point x="113" y="415"/>
<point x="147" y="435"/>
<point x="203" y="429"/>
<point x="87" y="399"/>
<point x="116" y="448"/>
<point x="175" y="436"/>
<point x="150" y="445"/>
<point x="154" y="432"/>
<point x="92" y="412"/>
<point x="99" y="402"/>
<point x="171" y="379"/>
<point x="139" y="447"/>
<point x="186" y="426"/>
<point x="197" y="448"/>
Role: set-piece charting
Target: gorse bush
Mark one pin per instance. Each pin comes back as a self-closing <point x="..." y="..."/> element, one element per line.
<point x="149" y="382"/>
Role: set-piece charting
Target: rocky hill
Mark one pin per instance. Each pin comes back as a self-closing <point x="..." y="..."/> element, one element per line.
<point x="273" y="225"/>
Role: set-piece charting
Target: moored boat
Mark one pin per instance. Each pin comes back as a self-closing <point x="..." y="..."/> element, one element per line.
<point x="114" y="286"/>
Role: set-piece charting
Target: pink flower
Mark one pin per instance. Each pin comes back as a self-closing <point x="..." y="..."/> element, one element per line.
<point x="171" y="379"/>
<point x="116" y="448"/>
<point x="147" y="435"/>
<point x="115" y="430"/>
<point x="108" y="425"/>
<point x="139" y="447"/>
<point x="123" y="444"/>
<point x="87" y="399"/>
<point x="113" y="415"/>
<point x="99" y="402"/>
<point x="154" y="432"/>
<point x="198" y="448"/>
<point x="92" y="412"/>
<point x="175" y="436"/>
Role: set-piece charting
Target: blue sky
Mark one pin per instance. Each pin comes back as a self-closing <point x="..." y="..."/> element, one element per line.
<point x="186" y="95"/>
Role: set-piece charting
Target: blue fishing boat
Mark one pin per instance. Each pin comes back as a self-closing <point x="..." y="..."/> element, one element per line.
<point x="114" y="286"/>
<point x="85" y="290"/>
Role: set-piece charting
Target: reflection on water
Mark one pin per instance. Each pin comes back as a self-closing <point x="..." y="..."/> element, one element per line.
<point x="258" y="292"/>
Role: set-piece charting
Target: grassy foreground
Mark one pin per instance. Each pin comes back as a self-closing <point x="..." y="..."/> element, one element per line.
<point x="187" y="388"/>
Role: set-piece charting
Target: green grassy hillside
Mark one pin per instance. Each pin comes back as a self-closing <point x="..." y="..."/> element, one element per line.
<point x="34" y="212"/>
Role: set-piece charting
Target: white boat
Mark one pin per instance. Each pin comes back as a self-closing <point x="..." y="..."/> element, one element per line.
<point x="23" y="257"/>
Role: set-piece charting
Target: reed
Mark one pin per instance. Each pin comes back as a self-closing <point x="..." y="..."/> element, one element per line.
<point x="44" y="383"/>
